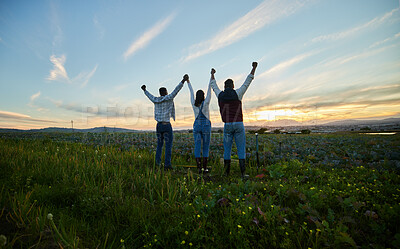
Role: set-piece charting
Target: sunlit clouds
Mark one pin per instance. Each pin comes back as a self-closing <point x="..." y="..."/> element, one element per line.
<point x="318" y="61"/>
<point x="264" y="14"/>
<point x="5" y="115"/>
<point x="148" y="36"/>
<point x="59" y="73"/>
<point x="374" y="23"/>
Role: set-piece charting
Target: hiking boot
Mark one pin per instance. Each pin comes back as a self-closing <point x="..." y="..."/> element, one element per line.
<point x="242" y="164"/>
<point x="205" y="162"/>
<point x="227" y="164"/>
<point x="198" y="163"/>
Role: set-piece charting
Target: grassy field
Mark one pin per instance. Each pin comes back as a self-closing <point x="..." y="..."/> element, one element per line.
<point x="104" y="191"/>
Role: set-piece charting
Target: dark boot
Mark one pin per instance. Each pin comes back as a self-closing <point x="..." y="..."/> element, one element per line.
<point x="242" y="164"/>
<point x="198" y="163"/>
<point x="227" y="164"/>
<point x="205" y="162"/>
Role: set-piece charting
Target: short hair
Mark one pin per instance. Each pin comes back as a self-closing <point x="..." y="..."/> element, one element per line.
<point x="229" y="83"/>
<point x="163" y="91"/>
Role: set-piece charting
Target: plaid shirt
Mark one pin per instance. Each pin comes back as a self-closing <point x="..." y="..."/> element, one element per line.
<point x="164" y="107"/>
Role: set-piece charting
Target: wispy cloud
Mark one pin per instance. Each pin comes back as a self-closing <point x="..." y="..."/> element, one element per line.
<point x="264" y="14"/>
<point x="32" y="103"/>
<point x="84" y="77"/>
<point x="148" y="36"/>
<point x="35" y="96"/>
<point x="21" y="117"/>
<point x="390" y="39"/>
<point x="55" y="26"/>
<point x="286" y="64"/>
<point x="349" y="32"/>
<point x="99" y="27"/>
<point x="59" y="73"/>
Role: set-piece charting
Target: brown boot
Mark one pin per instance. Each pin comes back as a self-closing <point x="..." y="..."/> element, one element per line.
<point x="227" y="164"/>
<point x="205" y="162"/>
<point x="198" y="163"/>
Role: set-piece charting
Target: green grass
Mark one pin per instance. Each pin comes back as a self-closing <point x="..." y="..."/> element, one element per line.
<point x="102" y="196"/>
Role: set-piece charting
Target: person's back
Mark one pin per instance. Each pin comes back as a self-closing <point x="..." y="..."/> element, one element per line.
<point x="230" y="107"/>
<point x="164" y="109"/>
<point x="201" y="126"/>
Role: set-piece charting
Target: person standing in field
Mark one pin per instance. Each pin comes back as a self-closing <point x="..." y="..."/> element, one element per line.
<point x="230" y="107"/>
<point x="201" y="126"/>
<point x="164" y="109"/>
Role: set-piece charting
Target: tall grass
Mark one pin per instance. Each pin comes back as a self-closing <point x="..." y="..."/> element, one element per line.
<point x="102" y="196"/>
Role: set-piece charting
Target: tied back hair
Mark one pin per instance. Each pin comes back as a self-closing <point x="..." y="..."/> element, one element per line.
<point x="199" y="98"/>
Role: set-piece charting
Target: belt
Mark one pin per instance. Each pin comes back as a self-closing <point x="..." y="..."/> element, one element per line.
<point x="164" y="123"/>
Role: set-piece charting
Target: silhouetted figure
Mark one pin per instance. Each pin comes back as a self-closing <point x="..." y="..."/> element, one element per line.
<point x="164" y="109"/>
<point x="201" y="126"/>
<point x="230" y="107"/>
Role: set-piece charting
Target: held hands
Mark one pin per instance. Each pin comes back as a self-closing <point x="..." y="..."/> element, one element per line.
<point x="254" y="64"/>
<point x="213" y="71"/>
<point x="144" y="87"/>
<point x="185" y="78"/>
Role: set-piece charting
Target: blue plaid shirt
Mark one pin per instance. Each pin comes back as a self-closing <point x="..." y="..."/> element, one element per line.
<point x="164" y="107"/>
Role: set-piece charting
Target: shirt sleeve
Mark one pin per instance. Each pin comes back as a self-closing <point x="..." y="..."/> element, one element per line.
<point x="215" y="87"/>
<point x="150" y="96"/>
<point x="208" y="97"/>
<point x="191" y="93"/>
<point x="240" y="92"/>
<point x="164" y="98"/>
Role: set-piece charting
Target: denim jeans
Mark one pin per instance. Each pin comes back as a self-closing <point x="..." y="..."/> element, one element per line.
<point x="234" y="130"/>
<point x="164" y="133"/>
<point x="201" y="132"/>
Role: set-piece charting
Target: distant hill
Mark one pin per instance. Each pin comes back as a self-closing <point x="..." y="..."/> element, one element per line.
<point x="282" y="122"/>
<point x="350" y="122"/>
<point x="69" y="130"/>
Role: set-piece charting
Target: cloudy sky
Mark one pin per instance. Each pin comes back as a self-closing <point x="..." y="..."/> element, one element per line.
<point x="319" y="60"/>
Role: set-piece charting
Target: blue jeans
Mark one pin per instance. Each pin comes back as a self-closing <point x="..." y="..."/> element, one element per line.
<point x="234" y="130"/>
<point x="201" y="132"/>
<point x="164" y="133"/>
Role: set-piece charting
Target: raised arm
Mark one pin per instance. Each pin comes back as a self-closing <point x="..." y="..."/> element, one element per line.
<point x="191" y="92"/>
<point x="240" y="92"/>
<point x="213" y="83"/>
<point x="149" y="95"/>
<point x="169" y="96"/>
<point x="208" y="96"/>
<point x="176" y="90"/>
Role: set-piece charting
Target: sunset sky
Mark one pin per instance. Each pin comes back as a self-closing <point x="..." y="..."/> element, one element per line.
<point x="319" y="60"/>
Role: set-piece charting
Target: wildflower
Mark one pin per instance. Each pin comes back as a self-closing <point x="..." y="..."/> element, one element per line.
<point x="50" y="216"/>
<point x="183" y="242"/>
<point x="186" y="232"/>
<point x="198" y="216"/>
<point x="250" y="208"/>
<point x="243" y="212"/>
<point x="237" y="199"/>
<point x="239" y="226"/>
<point x="190" y="244"/>
<point x="122" y="241"/>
